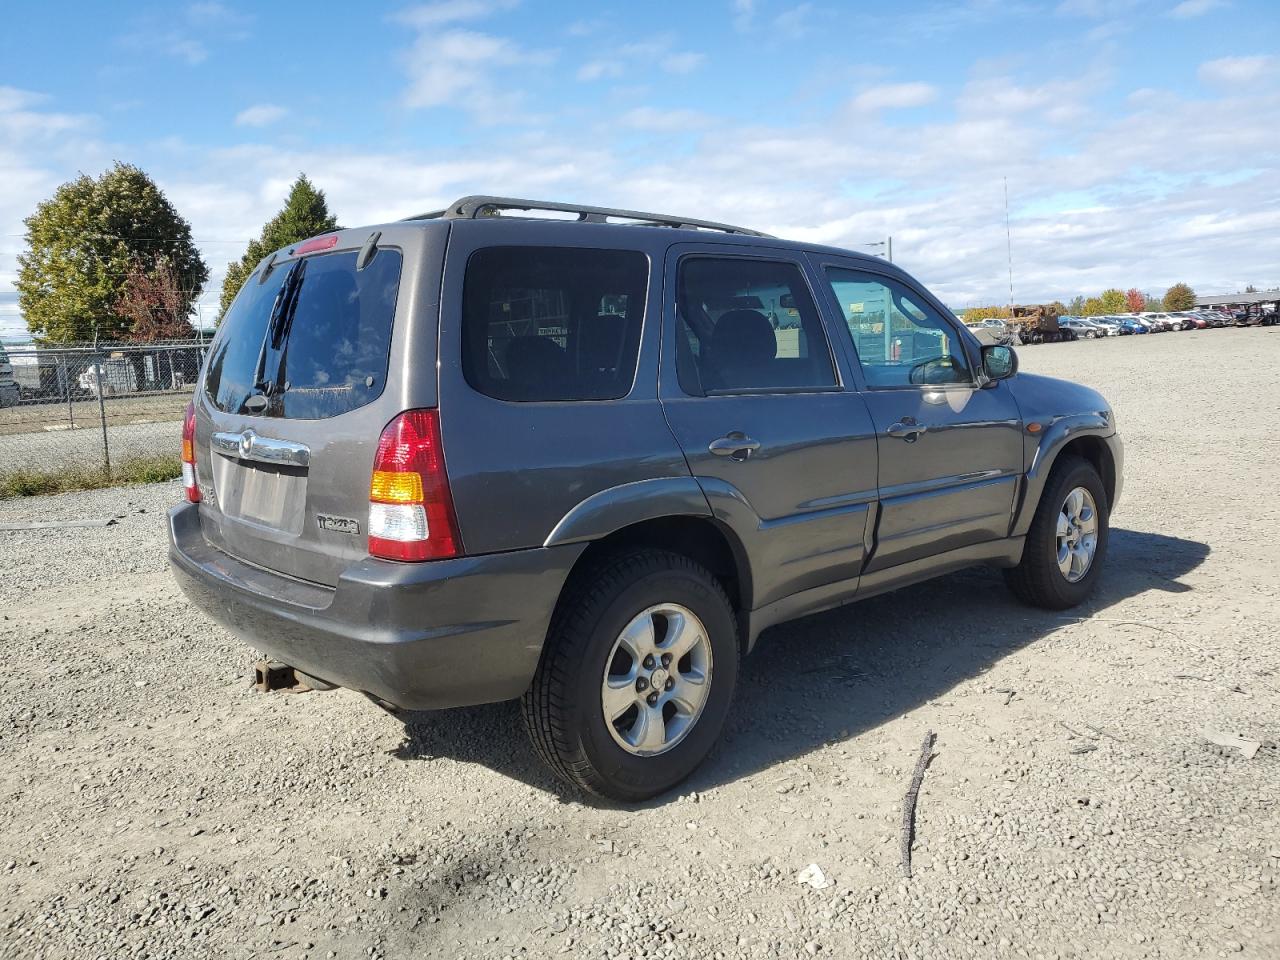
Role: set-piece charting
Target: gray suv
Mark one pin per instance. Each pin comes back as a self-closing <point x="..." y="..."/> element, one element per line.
<point x="584" y="456"/>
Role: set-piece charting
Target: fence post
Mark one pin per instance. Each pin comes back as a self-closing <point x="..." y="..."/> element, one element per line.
<point x="102" y="413"/>
<point x="66" y="385"/>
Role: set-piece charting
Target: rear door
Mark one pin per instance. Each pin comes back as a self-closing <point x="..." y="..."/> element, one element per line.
<point x="951" y="449"/>
<point x="311" y="361"/>
<point x="758" y="402"/>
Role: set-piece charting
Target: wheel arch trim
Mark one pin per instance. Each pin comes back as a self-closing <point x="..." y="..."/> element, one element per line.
<point x="1062" y="434"/>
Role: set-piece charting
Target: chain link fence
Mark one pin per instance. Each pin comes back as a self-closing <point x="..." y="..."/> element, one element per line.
<point x="93" y="408"/>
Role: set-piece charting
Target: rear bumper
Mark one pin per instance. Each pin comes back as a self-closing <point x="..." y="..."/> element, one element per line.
<point x="420" y="636"/>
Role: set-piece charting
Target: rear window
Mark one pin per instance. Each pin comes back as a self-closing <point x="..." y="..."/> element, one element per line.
<point x="316" y="353"/>
<point x="553" y="323"/>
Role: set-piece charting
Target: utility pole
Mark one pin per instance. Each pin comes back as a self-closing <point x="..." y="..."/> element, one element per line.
<point x="1008" y="239"/>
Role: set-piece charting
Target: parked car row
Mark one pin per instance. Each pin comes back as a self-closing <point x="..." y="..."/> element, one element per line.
<point x="1119" y="325"/>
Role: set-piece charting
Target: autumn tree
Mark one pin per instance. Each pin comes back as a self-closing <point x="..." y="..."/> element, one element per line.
<point x="1179" y="297"/>
<point x="1113" y="301"/>
<point x="154" y="304"/>
<point x="81" y="244"/>
<point x="975" y="314"/>
<point x="1093" y="307"/>
<point x="305" y="214"/>
<point x="1134" y="301"/>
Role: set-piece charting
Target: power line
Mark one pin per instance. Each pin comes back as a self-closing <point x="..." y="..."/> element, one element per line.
<point x="115" y="236"/>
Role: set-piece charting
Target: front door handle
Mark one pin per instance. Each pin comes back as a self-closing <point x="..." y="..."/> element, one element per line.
<point x="907" y="429"/>
<point x="736" y="445"/>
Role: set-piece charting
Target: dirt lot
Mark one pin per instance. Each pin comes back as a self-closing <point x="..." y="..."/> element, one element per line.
<point x="42" y="434"/>
<point x="155" y="806"/>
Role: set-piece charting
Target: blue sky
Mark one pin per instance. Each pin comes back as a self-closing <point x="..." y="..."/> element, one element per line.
<point x="1140" y="138"/>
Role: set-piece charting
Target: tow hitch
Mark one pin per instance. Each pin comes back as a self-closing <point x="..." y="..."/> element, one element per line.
<point x="269" y="675"/>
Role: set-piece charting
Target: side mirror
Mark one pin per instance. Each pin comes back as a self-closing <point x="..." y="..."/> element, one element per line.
<point x="999" y="362"/>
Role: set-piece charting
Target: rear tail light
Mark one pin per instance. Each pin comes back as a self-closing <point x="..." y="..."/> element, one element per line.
<point x="189" y="454"/>
<point x="410" y="508"/>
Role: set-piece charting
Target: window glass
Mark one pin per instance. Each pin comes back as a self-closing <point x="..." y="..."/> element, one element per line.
<point x="748" y="324"/>
<point x="325" y="354"/>
<point x="900" y="340"/>
<point x="549" y="323"/>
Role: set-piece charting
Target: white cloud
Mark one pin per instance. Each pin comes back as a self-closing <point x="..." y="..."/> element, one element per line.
<point x="794" y="21"/>
<point x="450" y="11"/>
<point x="1236" y="71"/>
<point x="184" y="48"/>
<point x="1094" y="204"/>
<point x="892" y="96"/>
<point x="1193" y="8"/>
<point x="456" y="68"/>
<point x="657" y="120"/>
<point x="260" y="115"/>
<point x="1095" y="9"/>
<point x="614" y="63"/>
<point x="598" y="69"/>
<point x="212" y="13"/>
<point x="685" y="62"/>
<point x="744" y="13"/>
<point x="21" y="120"/>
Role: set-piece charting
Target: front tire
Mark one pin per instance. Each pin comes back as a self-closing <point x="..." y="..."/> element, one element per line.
<point x="636" y="677"/>
<point x="1067" y="544"/>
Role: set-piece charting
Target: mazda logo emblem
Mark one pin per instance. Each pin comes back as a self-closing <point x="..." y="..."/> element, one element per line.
<point x="246" y="443"/>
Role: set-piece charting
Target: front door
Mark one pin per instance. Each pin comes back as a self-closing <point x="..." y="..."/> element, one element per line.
<point x="756" y="398"/>
<point x="950" y="445"/>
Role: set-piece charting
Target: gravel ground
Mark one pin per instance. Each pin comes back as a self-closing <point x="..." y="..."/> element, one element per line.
<point x="155" y="806"/>
<point x="83" y="445"/>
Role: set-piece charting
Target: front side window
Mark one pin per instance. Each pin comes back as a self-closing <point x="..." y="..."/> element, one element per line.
<point x="553" y="323"/>
<point x="748" y="325"/>
<point x="900" y="340"/>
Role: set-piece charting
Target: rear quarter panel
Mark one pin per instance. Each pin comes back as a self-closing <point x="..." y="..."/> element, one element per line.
<point x="517" y="469"/>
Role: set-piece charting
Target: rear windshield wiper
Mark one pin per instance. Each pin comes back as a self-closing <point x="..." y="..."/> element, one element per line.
<point x="278" y="323"/>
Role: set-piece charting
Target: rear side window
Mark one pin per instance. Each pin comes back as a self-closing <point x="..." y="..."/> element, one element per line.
<point x="553" y="323"/>
<point x="312" y="341"/>
<point x="748" y="325"/>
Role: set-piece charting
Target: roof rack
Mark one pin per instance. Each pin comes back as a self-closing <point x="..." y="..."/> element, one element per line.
<point x="474" y="208"/>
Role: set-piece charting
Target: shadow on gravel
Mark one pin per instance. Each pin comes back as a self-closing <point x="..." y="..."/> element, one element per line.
<point x="834" y="675"/>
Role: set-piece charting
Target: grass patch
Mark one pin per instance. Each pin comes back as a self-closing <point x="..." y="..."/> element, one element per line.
<point x="28" y="482"/>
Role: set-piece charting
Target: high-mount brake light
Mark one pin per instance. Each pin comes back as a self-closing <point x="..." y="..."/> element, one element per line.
<point x="189" y="485"/>
<point x="316" y="243"/>
<point x="410" y="507"/>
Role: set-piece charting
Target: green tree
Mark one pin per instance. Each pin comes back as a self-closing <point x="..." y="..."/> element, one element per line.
<point x="1152" y="305"/>
<point x="1076" y="307"/>
<point x="1251" y="289"/>
<point x="81" y="245"/>
<point x="304" y="215"/>
<point x="1114" y="301"/>
<point x="1179" y="297"/>
<point x="1093" y="307"/>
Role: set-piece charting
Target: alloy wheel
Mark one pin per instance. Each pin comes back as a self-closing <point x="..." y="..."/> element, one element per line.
<point x="657" y="679"/>
<point x="1077" y="534"/>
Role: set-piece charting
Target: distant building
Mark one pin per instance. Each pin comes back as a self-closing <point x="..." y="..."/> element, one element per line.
<point x="1239" y="299"/>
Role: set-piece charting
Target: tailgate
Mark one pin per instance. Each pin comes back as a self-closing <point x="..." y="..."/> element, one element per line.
<point x="314" y="357"/>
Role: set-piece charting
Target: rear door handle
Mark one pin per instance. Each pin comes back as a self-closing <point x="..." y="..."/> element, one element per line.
<point x="907" y="429"/>
<point x="736" y="445"/>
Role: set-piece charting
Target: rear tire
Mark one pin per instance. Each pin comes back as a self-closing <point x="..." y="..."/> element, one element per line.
<point x="635" y="622"/>
<point x="1055" y="572"/>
